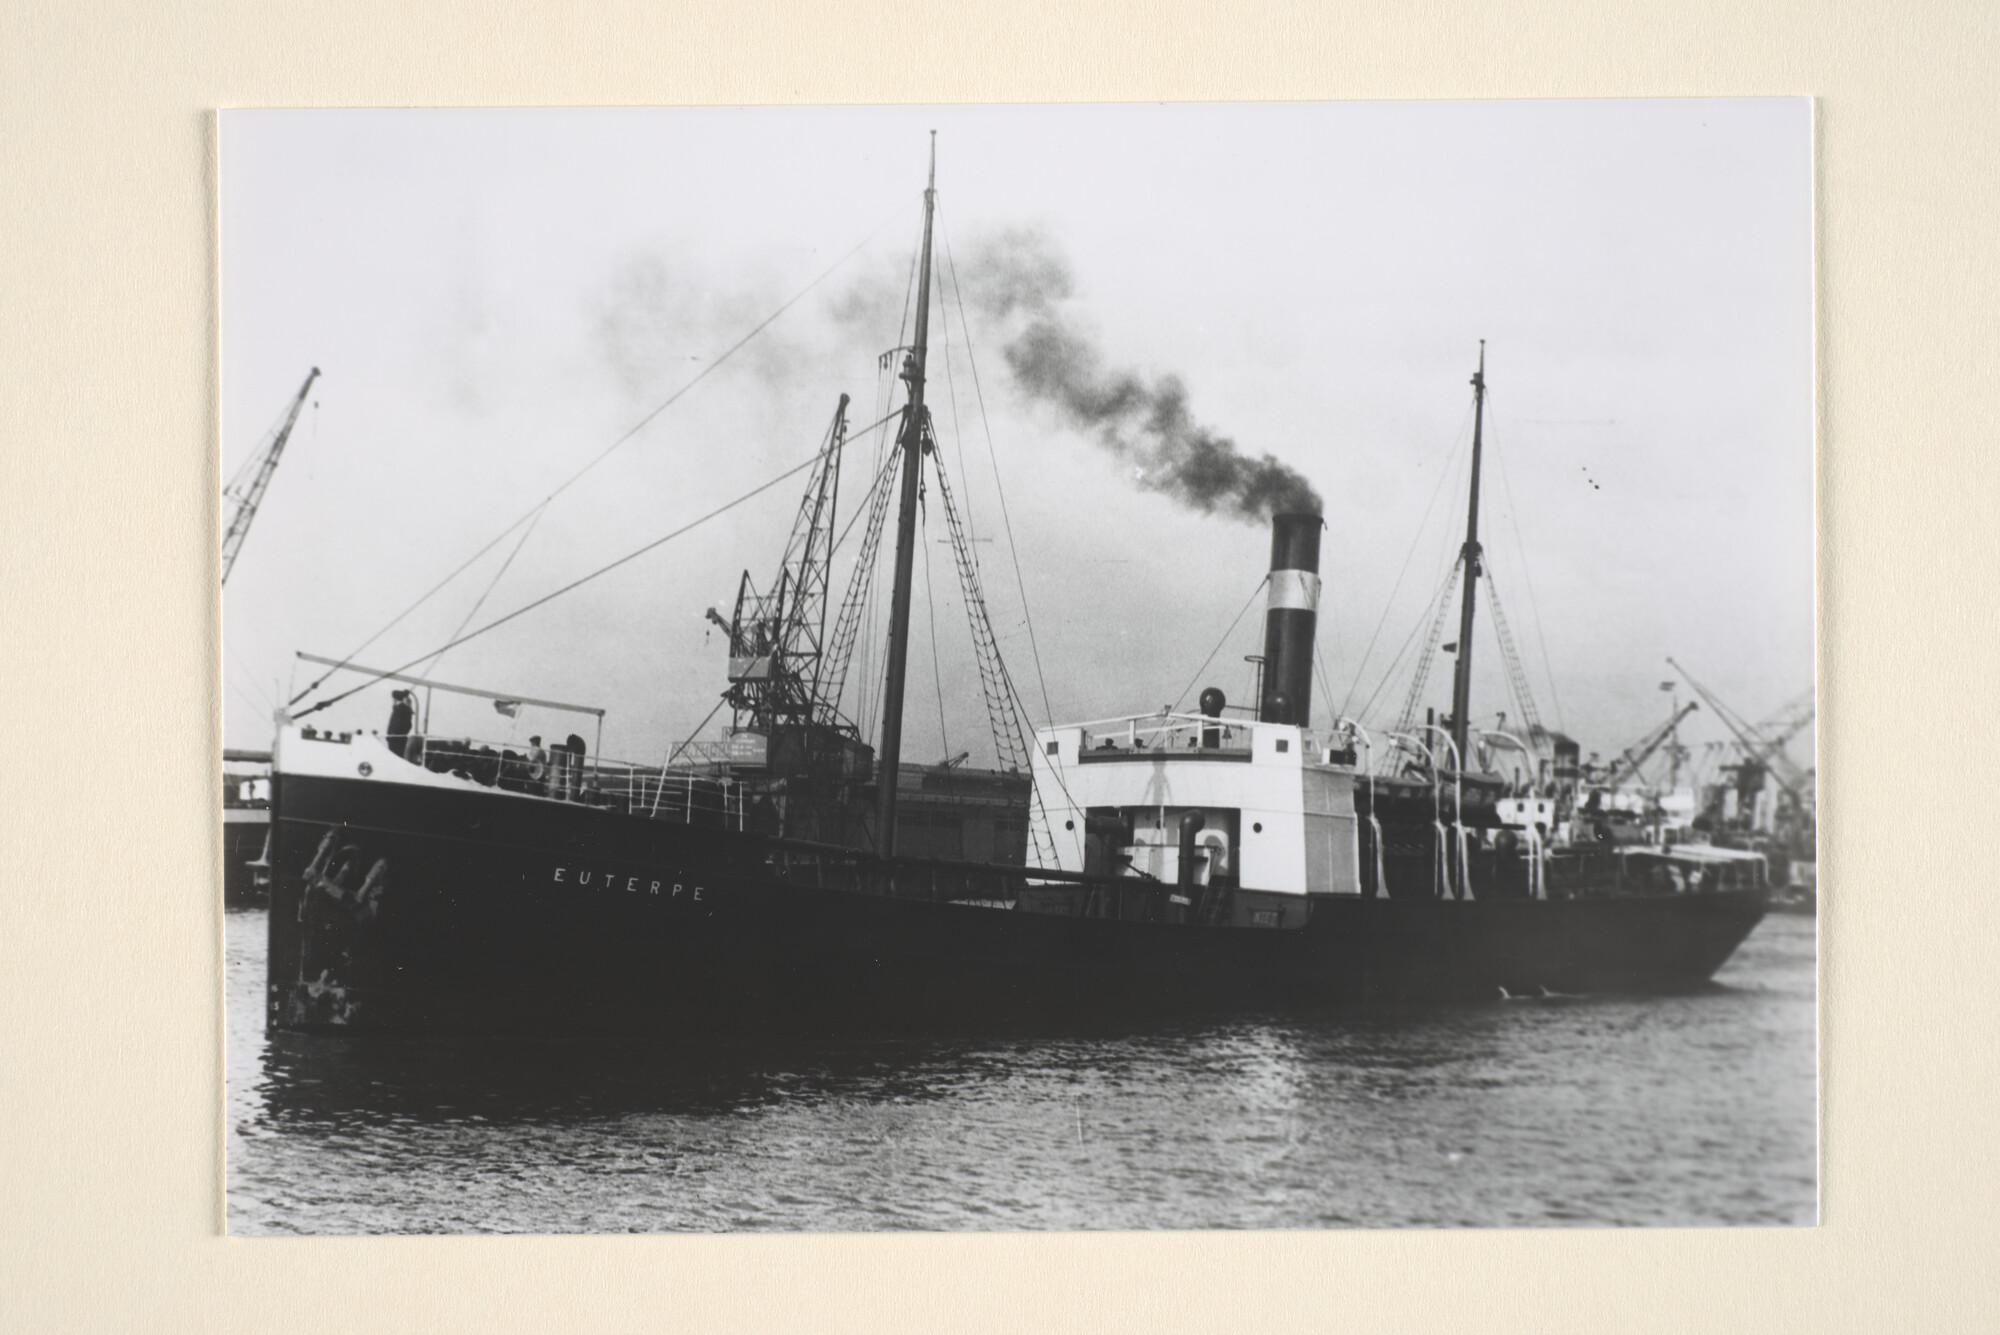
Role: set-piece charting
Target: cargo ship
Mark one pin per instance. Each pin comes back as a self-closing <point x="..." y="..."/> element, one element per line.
<point x="1234" y="857"/>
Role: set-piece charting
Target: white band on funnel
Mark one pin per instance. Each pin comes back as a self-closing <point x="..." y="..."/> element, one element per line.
<point x="1294" y="591"/>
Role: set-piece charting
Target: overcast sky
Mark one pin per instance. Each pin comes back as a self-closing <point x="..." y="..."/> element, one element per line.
<point x="494" y="297"/>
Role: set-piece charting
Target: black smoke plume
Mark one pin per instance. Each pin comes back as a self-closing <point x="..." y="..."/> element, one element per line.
<point x="1019" y="277"/>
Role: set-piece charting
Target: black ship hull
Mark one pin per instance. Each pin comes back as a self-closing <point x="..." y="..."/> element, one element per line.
<point x="398" y="908"/>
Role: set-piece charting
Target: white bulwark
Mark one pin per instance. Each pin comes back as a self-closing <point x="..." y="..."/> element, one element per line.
<point x="359" y="755"/>
<point x="1277" y="802"/>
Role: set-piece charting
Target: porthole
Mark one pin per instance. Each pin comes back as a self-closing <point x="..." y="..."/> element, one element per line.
<point x="366" y="769"/>
<point x="1069" y="825"/>
<point x="1257" y="827"/>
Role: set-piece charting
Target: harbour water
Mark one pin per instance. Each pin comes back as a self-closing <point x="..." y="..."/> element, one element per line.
<point x="1578" y="1111"/>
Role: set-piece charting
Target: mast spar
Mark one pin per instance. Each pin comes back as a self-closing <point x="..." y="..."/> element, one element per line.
<point x="1461" y="677"/>
<point x="910" y="440"/>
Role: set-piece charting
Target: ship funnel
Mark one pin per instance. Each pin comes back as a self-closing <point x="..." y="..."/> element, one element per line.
<point x="1290" y="619"/>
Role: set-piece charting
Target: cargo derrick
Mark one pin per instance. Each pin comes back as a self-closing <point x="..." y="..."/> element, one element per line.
<point x="789" y="744"/>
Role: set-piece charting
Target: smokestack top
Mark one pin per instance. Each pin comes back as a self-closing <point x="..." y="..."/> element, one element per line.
<point x="1295" y="541"/>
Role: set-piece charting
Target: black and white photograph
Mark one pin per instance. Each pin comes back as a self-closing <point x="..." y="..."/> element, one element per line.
<point x="1004" y="668"/>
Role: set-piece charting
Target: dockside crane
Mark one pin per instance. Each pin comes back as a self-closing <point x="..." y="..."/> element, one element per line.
<point x="1764" y="745"/>
<point x="248" y="486"/>
<point x="1784" y="725"/>
<point x="1626" y="763"/>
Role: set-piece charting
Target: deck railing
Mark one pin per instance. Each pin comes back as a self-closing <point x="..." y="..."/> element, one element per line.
<point x="1172" y="734"/>
<point x="693" y="796"/>
<point x="1169" y="733"/>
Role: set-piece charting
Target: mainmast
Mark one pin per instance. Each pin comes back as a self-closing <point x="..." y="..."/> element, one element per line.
<point x="1461" y="679"/>
<point x="909" y="439"/>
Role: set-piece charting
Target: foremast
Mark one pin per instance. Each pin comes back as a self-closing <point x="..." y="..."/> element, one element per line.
<point x="1461" y="678"/>
<point x="910" y="439"/>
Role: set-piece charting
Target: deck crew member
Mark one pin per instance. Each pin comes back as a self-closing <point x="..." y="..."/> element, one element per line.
<point x="402" y="720"/>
